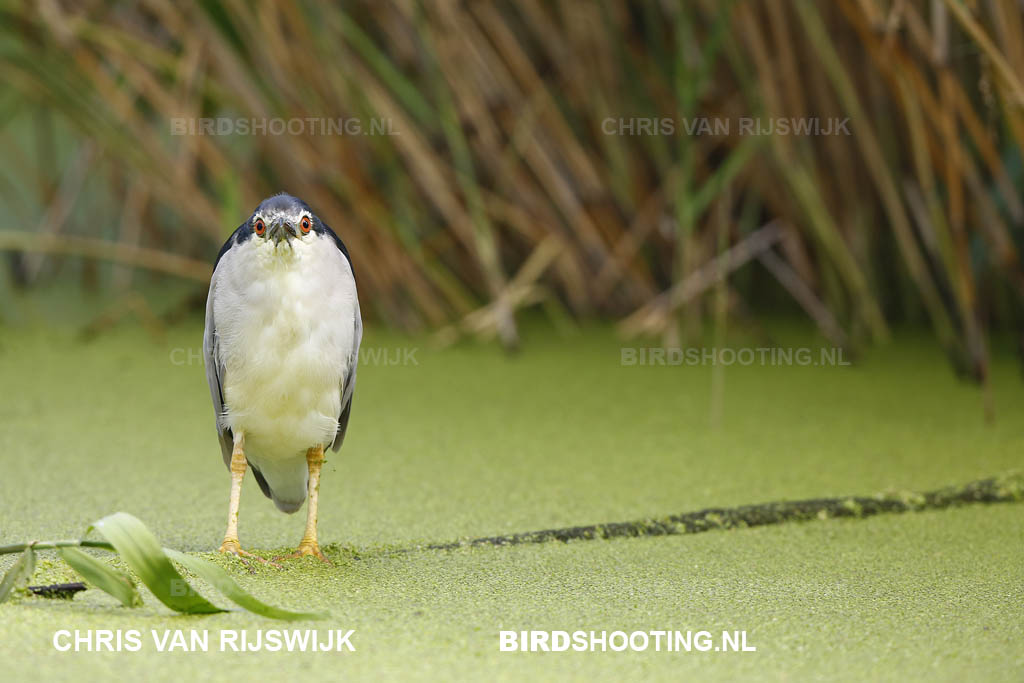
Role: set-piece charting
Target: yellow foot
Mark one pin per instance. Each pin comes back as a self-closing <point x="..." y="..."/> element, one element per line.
<point x="233" y="548"/>
<point x="306" y="548"/>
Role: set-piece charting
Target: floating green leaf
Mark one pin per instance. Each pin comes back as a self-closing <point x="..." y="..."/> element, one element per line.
<point x="103" y="576"/>
<point x="20" y="572"/>
<point x="128" y="536"/>
<point x="220" y="580"/>
<point x="141" y="551"/>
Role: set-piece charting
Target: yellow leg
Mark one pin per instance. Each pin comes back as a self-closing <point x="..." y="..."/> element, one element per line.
<point x="238" y="467"/>
<point x="309" y="545"/>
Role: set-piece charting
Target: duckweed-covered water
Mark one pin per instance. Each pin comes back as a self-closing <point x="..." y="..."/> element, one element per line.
<point x="467" y="442"/>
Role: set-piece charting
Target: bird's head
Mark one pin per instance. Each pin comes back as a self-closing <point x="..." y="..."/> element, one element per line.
<point x="283" y="218"/>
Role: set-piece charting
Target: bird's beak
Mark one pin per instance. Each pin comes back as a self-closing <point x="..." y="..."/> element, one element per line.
<point x="281" y="230"/>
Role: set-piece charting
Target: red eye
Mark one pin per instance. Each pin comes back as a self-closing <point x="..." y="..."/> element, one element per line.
<point x="260" y="227"/>
<point x="305" y="224"/>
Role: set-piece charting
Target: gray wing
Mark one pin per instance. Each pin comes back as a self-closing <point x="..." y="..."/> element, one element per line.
<point x="348" y="386"/>
<point x="215" y="373"/>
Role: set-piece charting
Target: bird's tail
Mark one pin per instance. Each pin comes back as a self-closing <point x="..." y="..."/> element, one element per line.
<point x="286" y="486"/>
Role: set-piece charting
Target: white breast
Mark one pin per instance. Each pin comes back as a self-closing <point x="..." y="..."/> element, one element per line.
<point x="285" y="327"/>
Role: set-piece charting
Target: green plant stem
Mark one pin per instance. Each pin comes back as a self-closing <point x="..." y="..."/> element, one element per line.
<point x="52" y="545"/>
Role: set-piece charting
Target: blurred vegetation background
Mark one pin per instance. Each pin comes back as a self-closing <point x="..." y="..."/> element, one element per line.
<point x="520" y="174"/>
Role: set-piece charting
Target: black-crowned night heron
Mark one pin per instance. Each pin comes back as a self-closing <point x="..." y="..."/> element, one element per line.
<point x="281" y="349"/>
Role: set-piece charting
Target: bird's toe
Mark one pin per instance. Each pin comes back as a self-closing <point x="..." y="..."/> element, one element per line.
<point x="304" y="550"/>
<point x="230" y="547"/>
